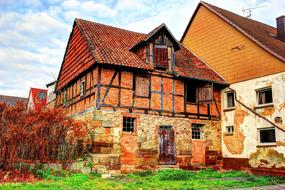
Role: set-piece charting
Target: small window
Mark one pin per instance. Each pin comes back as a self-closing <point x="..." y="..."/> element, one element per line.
<point x="128" y="124"/>
<point x="42" y="95"/>
<point x="65" y="98"/>
<point x="264" y="96"/>
<point x="142" y="86"/>
<point x="82" y="88"/>
<point x="230" y="99"/>
<point x="191" y="93"/>
<point x="197" y="131"/>
<point x="267" y="135"/>
<point x="230" y="130"/>
<point x="161" y="57"/>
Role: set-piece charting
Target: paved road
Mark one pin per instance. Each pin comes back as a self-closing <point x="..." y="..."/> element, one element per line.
<point x="271" y="187"/>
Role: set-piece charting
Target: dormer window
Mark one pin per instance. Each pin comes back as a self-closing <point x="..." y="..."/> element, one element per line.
<point x="161" y="57"/>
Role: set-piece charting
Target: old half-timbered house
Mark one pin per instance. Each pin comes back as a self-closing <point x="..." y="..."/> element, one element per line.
<point x="148" y="99"/>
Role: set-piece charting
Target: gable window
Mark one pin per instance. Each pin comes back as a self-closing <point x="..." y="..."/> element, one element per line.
<point x="267" y="135"/>
<point x="128" y="124"/>
<point x="197" y="131"/>
<point x="264" y="96"/>
<point x="142" y="85"/>
<point x="229" y="130"/>
<point x="160" y="57"/>
<point x="230" y="99"/>
<point x="82" y="88"/>
<point x="42" y="95"/>
<point x="191" y="93"/>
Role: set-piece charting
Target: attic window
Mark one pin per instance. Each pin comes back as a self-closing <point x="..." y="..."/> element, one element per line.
<point x="160" y="57"/>
<point x="42" y="95"/>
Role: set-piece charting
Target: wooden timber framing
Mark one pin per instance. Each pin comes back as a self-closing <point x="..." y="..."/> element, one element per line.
<point x="165" y="94"/>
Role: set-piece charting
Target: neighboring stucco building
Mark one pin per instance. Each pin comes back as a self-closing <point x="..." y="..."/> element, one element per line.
<point x="251" y="57"/>
<point x="148" y="100"/>
<point x="37" y="99"/>
<point x="51" y="95"/>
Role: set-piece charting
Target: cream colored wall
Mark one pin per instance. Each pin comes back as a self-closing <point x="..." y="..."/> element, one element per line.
<point x="244" y="142"/>
<point x="216" y="42"/>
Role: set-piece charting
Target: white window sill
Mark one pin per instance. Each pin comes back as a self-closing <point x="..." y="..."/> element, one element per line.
<point x="264" y="106"/>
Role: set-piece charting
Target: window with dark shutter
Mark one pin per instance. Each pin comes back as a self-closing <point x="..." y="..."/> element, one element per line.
<point x="161" y="57"/>
<point x="142" y="86"/>
<point x="206" y="94"/>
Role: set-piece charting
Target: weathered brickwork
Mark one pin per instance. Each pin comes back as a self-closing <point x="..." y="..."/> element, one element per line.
<point x="125" y="151"/>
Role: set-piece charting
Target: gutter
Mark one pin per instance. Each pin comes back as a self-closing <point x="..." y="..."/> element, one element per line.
<point x="254" y="112"/>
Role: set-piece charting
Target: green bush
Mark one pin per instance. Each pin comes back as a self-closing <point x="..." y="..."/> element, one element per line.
<point x="174" y="175"/>
<point x="145" y="173"/>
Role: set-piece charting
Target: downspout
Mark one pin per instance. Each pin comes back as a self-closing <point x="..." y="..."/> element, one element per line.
<point x="253" y="111"/>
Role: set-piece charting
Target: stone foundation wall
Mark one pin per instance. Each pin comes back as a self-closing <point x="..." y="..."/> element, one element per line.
<point x="125" y="151"/>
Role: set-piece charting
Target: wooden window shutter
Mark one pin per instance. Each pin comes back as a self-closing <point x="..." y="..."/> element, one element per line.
<point x="142" y="86"/>
<point x="161" y="57"/>
<point x="206" y="94"/>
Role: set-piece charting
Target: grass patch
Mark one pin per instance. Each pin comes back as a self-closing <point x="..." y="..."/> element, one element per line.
<point x="163" y="179"/>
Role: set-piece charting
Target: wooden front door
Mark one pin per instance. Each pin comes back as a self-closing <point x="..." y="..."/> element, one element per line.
<point x="166" y="145"/>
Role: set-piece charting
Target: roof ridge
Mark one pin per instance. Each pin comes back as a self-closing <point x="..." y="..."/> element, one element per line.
<point x="1" y="95"/>
<point x="208" y="4"/>
<point x="109" y="26"/>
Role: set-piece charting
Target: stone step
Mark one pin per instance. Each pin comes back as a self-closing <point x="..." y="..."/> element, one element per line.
<point x="161" y="167"/>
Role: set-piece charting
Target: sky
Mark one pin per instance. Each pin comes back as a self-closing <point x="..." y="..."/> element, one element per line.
<point x="34" y="33"/>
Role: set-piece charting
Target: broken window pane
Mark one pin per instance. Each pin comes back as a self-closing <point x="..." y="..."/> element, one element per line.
<point x="128" y="124"/>
<point x="265" y="96"/>
<point x="267" y="135"/>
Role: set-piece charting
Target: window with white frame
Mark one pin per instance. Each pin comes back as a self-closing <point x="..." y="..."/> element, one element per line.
<point x="264" y="96"/>
<point x="197" y="131"/>
<point x="267" y="135"/>
<point x="230" y="99"/>
<point x="229" y="130"/>
<point x="82" y="88"/>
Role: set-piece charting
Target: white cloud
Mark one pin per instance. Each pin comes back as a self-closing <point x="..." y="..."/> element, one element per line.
<point x="33" y="33"/>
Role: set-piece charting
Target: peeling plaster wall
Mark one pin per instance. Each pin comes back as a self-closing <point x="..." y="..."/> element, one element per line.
<point x="244" y="143"/>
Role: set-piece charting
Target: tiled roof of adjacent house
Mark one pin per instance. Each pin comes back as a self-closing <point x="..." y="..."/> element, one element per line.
<point x="112" y="46"/>
<point x="12" y="100"/>
<point x="262" y="34"/>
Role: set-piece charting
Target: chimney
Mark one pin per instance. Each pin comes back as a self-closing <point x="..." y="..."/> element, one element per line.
<point x="281" y="28"/>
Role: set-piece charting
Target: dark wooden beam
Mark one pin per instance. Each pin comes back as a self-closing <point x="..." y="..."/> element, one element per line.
<point x="109" y="86"/>
<point x="120" y="91"/>
<point x="98" y="103"/>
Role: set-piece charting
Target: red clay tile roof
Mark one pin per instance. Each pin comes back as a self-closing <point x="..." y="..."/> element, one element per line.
<point x="262" y="34"/>
<point x="190" y="66"/>
<point x="12" y="100"/>
<point x="111" y="45"/>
